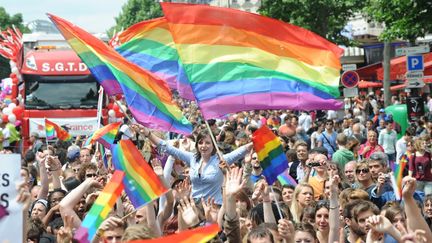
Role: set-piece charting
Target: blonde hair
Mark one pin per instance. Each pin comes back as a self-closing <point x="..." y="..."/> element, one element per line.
<point x="418" y="144"/>
<point x="296" y="209"/>
<point x="137" y="232"/>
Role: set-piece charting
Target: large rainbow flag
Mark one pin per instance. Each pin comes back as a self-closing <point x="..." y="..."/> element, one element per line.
<point x="239" y="61"/>
<point x="149" y="99"/>
<point x="142" y="185"/>
<point x="197" y="235"/>
<point x="149" y="44"/>
<point x="52" y="128"/>
<point x="100" y="208"/>
<point x="105" y="135"/>
<point x="270" y="153"/>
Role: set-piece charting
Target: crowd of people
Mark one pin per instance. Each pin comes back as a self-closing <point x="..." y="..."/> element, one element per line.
<point x="341" y="164"/>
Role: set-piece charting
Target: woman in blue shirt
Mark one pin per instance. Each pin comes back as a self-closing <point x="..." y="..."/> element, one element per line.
<point x="205" y="175"/>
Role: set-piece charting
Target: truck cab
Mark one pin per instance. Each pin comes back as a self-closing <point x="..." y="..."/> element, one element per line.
<point x="56" y="85"/>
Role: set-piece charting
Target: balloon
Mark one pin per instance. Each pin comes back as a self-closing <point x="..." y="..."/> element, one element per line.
<point x="118" y="114"/>
<point x="7" y="111"/>
<point x="12" y="106"/>
<point x="111" y="113"/>
<point x="15" y="70"/>
<point x="110" y="106"/>
<point x="18" y="111"/>
<point x="116" y="107"/>
<point x="400" y="116"/>
<point x="118" y="96"/>
<point x="12" y="118"/>
<point x="12" y="75"/>
<point x="12" y="64"/>
<point x="5" y="118"/>
<point x="18" y="123"/>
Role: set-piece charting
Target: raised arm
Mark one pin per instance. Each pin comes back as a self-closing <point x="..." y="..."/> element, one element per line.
<point x="334" y="209"/>
<point x="415" y="219"/>
<point x="68" y="203"/>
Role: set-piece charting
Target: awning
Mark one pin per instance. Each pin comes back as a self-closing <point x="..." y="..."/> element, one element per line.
<point x="398" y="67"/>
<point x="369" y="72"/>
<point x="367" y="84"/>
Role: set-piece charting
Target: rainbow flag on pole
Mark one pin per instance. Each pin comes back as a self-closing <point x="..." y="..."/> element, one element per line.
<point x="238" y="61"/>
<point x="142" y="185"/>
<point x="270" y="153"/>
<point x="52" y="130"/>
<point x="100" y="208"/>
<point x="105" y="135"/>
<point x="149" y="44"/>
<point x="197" y="235"/>
<point x="398" y="170"/>
<point x="148" y="97"/>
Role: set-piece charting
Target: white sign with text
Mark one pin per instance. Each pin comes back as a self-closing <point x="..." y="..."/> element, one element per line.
<point x="77" y="126"/>
<point x="11" y="226"/>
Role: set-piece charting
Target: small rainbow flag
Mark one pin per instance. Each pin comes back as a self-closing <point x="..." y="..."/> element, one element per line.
<point x="398" y="170"/>
<point x="149" y="44"/>
<point x="270" y="153"/>
<point x="148" y="97"/>
<point x="286" y="179"/>
<point x="101" y="207"/>
<point x="237" y="61"/>
<point x="51" y="127"/>
<point x="142" y="185"/>
<point x="104" y="156"/>
<point x="105" y="135"/>
<point x="197" y="235"/>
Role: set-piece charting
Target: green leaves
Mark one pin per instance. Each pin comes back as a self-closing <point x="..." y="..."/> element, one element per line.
<point x="327" y="18"/>
<point x="135" y="11"/>
<point x="404" y="19"/>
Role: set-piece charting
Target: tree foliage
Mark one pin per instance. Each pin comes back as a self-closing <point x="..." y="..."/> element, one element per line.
<point x="135" y="11"/>
<point x="404" y="19"/>
<point x="7" y="21"/>
<point x="327" y="18"/>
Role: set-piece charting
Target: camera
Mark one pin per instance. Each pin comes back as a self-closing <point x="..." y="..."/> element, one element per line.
<point x="314" y="164"/>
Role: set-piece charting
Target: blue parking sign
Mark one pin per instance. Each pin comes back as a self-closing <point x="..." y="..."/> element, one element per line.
<point x="415" y="63"/>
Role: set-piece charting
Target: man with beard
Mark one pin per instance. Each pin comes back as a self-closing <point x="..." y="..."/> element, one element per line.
<point x="355" y="215"/>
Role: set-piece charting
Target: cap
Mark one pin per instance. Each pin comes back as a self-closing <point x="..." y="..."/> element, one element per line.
<point x="73" y="153"/>
<point x="34" y="134"/>
<point x="381" y="110"/>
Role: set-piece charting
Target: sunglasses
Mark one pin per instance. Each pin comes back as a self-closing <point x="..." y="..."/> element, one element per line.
<point x="91" y="175"/>
<point x="362" y="170"/>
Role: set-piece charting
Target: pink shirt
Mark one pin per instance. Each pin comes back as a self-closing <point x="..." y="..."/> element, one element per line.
<point x="376" y="148"/>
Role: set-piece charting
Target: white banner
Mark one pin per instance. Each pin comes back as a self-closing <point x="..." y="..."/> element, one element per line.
<point x="11" y="226"/>
<point x="77" y="126"/>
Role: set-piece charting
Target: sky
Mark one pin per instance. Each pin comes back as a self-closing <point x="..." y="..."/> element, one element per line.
<point x="92" y="15"/>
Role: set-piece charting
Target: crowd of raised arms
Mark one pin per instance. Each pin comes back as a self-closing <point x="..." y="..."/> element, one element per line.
<point x="341" y="164"/>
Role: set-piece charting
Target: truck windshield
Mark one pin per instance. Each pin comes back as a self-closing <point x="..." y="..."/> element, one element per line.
<point x="61" y="92"/>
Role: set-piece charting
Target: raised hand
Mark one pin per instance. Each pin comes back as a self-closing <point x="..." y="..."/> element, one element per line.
<point x="157" y="166"/>
<point x="210" y="210"/>
<point x="188" y="211"/>
<point x="408" y="186"/>
<point x="183" y="189"/>
<point x="64" y="234"/>
<point x="379" y="223"/>
<point x="24" y="196"/>
<point x="234" y="182"/>
<point x="110" y="223"/>
<point x="286" y="230"/>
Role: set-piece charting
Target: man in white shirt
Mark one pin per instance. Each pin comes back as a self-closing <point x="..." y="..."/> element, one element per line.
<point x="305" y="121"/>
<point x="401" y="144"/>
<point x="387" y="139"/>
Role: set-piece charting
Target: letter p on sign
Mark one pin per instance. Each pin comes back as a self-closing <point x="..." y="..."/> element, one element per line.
<point x="415" y="63"/>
